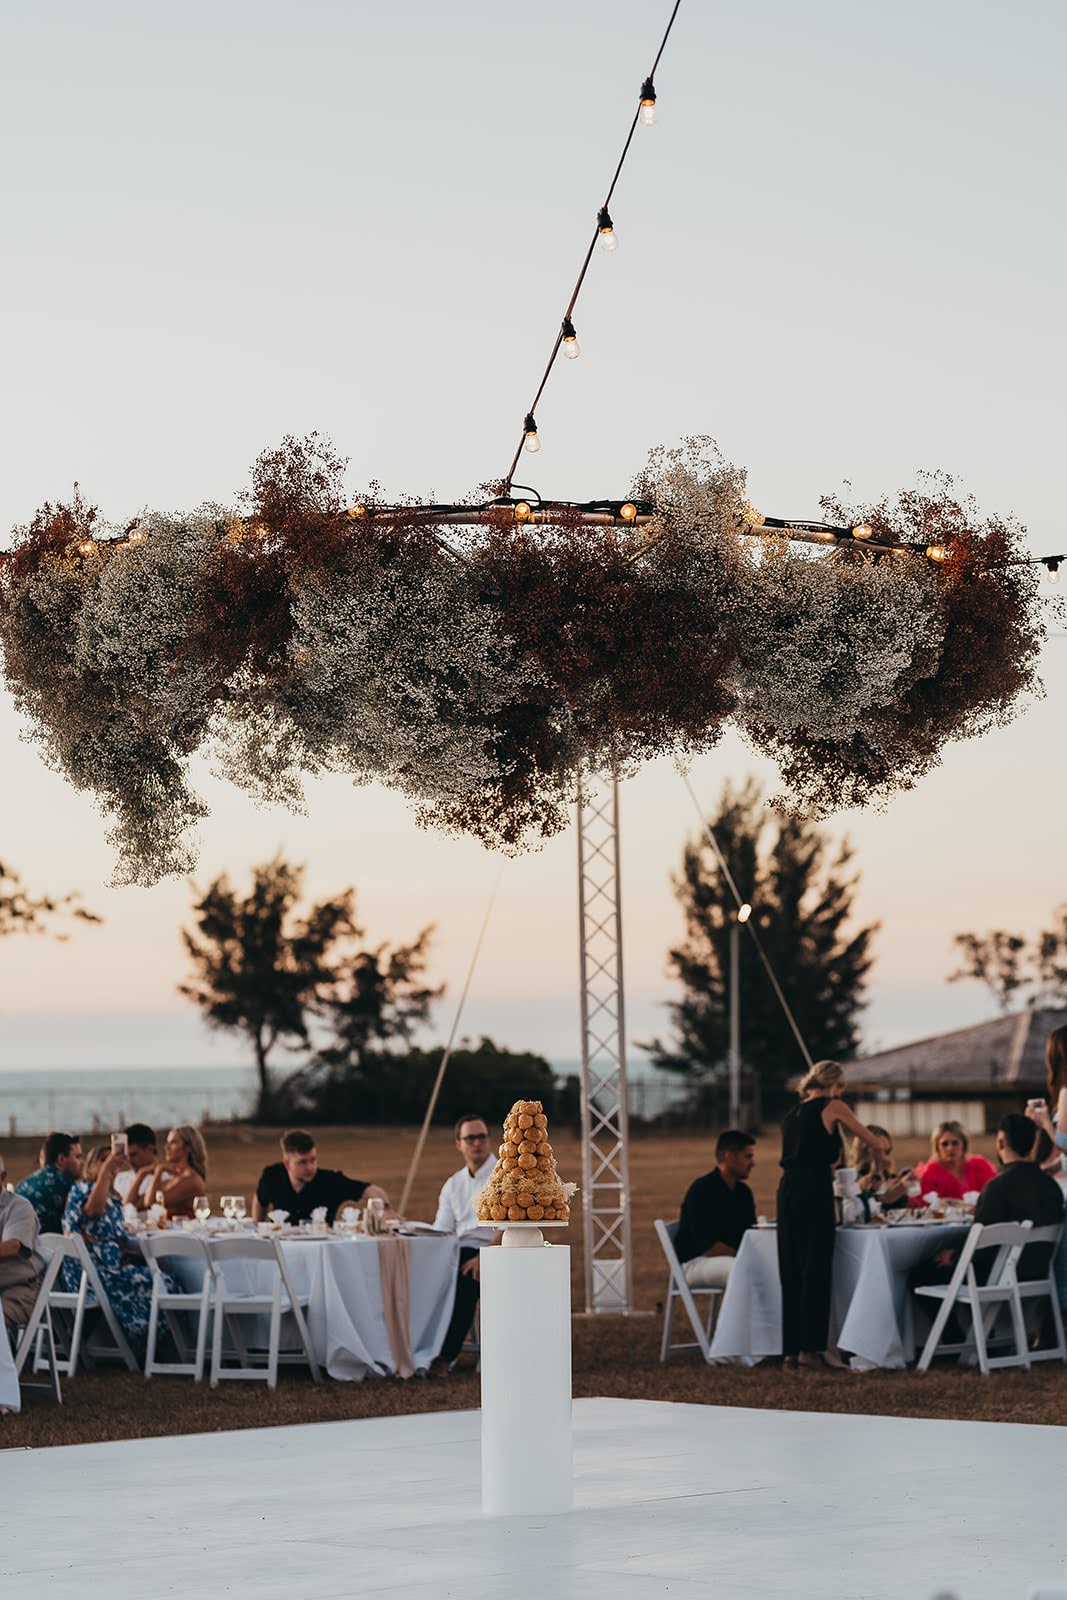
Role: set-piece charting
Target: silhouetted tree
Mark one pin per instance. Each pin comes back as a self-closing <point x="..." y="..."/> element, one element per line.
<point x="21" y="913"/>
<point x="802" y="895"/>
<point x="266" y="972"/>
<point x="1014" y="968"/>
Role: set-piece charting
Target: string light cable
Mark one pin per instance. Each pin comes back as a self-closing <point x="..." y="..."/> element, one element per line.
<point x="603" y="234"/>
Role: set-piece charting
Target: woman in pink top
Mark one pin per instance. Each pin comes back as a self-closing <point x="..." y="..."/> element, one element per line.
<point x="951" y="1172"/>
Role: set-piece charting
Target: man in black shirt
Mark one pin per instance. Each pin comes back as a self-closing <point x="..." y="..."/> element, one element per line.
<point x="298" y="1185"/>
<point x="1020" y="1192"/>
<point x="716" y="1211"/>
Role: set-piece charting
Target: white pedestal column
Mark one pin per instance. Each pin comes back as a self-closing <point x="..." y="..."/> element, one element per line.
<point x="526" y="1381"/>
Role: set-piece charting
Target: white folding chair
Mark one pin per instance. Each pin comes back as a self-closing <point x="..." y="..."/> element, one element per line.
<point x="1034" y="1290"/>
<point x="232" y="1303"/>
<point x="90" y="1296"/>
<point x="39" y="1330"/>
<point x="679" y="1289"/>
<point x="178" y="1303"/>
<point x="983" y="1300"/>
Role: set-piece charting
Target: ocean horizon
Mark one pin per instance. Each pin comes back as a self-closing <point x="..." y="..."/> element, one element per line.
<point x="97" y="1099"/>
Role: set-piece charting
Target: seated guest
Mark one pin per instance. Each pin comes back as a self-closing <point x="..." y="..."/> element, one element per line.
<point x="456" y="1214"/>
<point x="889" y="1188"/>
<point x="298" y="1185"/>
<point x="950" y="1171"/>
<point x="132" y="1183"/>
<point x="95" y="1211"/>
<point x="21" y="1268"/>
<point x="1020" y="1192"/>
<point x="716" y="1212"/>
<point x="47" y="1188"/>
<point x="182" y="1178"/>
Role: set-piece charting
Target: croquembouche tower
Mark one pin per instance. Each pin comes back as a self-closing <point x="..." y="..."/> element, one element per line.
<point x="526" y="1327"/>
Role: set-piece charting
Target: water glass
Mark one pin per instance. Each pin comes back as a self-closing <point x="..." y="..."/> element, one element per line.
<point x="372" y="1215"/>
<point x="226" y="1202"/>
<point x="239" y="1207"/>
<point x="202" y="1207"/>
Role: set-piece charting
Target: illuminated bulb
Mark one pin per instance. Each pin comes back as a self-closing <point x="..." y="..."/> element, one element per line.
<point x="357" y="511"/>
<point x="1053" y="570"/>
<point x="864" y="531"/>
<point x="571" y="348"/>
<point x="628" y="512"/>
<point x="87" y="547"/>
<point x="744" y="912"/>
<point x="648" y="103"/>
<point x="522" y="511"/>
<point x="608" y="238"/>
<point x="136" y="537"/>
<point x="937" y="552"/>
<point x="529" y="428"/>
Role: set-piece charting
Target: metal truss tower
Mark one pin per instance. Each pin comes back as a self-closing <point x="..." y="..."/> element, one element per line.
<point x="605" y="1120"/>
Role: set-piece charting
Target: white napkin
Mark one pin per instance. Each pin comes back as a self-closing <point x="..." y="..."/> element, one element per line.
<point x="129" y="1215"/>
<point x="318" y="1215"/>
<point x="932" y="1198"/>
<point x="279" y="1216"/>
<point x="154" y="1213"/>
<point x="971" y="1197"/>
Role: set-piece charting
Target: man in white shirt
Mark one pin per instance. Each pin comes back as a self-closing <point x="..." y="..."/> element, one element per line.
<point x="456" y="1214"/>
<point x="20" y="1265"/>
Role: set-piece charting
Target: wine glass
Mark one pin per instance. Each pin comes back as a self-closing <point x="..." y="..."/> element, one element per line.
<point x="226" y="1202"/>
<point x="202" y="1207"/>
<point x="239" y="1208"/>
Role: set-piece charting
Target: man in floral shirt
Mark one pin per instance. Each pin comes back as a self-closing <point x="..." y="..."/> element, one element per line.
<point x="47" y="1188"/>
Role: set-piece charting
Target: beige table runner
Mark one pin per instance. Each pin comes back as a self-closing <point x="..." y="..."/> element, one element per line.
<point x="394" y="1266"/>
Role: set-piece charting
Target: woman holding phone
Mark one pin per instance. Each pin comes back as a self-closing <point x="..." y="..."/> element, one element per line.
<point x="811" y="1145"/>
<point x="179" y="1181"/>
<point x="95" y="1211"/>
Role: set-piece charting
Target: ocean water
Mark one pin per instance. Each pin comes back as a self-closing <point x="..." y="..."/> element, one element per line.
<point x="86" y="1101"/>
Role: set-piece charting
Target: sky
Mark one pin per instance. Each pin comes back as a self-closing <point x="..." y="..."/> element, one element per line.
<point x="841" y="253"/>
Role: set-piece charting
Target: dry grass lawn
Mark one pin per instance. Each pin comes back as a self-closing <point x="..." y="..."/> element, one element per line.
<point x="612" y="1355"/>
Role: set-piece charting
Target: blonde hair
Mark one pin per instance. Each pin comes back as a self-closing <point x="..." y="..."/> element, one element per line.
<point x="824" y="1076"/>
<point x="193" y="1140"/>
<point x="859" y="1154"/>
<point x="98" y="1154"/>
<point x="947" y="1127"/>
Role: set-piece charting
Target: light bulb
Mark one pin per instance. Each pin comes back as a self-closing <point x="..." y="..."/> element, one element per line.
<point x="1053" y="569"/>
<point x="864" y="531"/>
<point x="529" y="428"/>
<point x="937" y="552"/>
<point x="136" y="536"/>
<point x="571" y="348"/>
<point x="608" y="239"/>
<point x="87" y="547"/>
<point x="522" y="511"/>
<point x="744" y="912"/>
<point x="628" y="511"/>
<point x="647" y="112"/>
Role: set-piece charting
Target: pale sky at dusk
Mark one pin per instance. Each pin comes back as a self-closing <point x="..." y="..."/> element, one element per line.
<point x="841" y="256"/>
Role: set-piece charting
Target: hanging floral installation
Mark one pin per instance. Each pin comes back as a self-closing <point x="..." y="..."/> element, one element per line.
<point x="303" y="634"/>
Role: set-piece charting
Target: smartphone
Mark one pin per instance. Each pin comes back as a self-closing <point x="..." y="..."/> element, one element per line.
<point x="118" y="1144"/>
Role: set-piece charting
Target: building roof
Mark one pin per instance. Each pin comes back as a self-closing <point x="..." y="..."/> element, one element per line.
<point x="1009" y="1051"/>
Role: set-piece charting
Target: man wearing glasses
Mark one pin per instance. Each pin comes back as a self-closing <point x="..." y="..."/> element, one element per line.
<point x="456" y="1214"/>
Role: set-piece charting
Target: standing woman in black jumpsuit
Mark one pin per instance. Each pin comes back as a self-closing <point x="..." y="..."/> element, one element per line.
<point x="810" y="1146"/>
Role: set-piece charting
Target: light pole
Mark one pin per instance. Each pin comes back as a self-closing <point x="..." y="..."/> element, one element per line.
<point x="733" y="1059"/>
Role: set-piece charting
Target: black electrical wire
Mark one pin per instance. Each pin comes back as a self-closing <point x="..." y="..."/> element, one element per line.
<point x="532" y="409"/>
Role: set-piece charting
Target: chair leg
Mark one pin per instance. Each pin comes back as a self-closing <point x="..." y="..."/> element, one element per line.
<point x="216" y="1344"/>
<point x="153" y="1333"/>
<point x="1057" y="1320"/>
<point x="668" y="1317"/>
<point x="978" y="1328"/>
<point x="933" y="1338"/>
<point x="203" y="1318"/>
<point x="1019" y="1328"/>
<point x="275" y="1338"/>
<point x="75" y="1350"/>
<point x="53" y="1364"/>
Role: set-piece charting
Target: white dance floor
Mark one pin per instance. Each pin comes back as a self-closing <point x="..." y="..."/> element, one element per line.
<point x="673" y="1500"/>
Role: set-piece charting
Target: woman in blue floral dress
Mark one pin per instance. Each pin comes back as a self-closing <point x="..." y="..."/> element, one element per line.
<point x="94" y="1210"/>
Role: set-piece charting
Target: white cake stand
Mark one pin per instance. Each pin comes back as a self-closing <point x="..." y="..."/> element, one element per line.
<point x="527" y="1234"/>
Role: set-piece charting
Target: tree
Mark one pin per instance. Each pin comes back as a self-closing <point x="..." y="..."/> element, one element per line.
<point x="802" y="895"/>
<point x="1012" y="967"/>
<point x="263" y="971"/>
<point x="21" y="913"/>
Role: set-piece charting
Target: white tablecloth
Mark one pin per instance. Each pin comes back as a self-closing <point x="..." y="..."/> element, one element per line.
<point x="9" y="1383"/>
<point x="341" y="1278"/>
<point x="871" y="1316"/>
